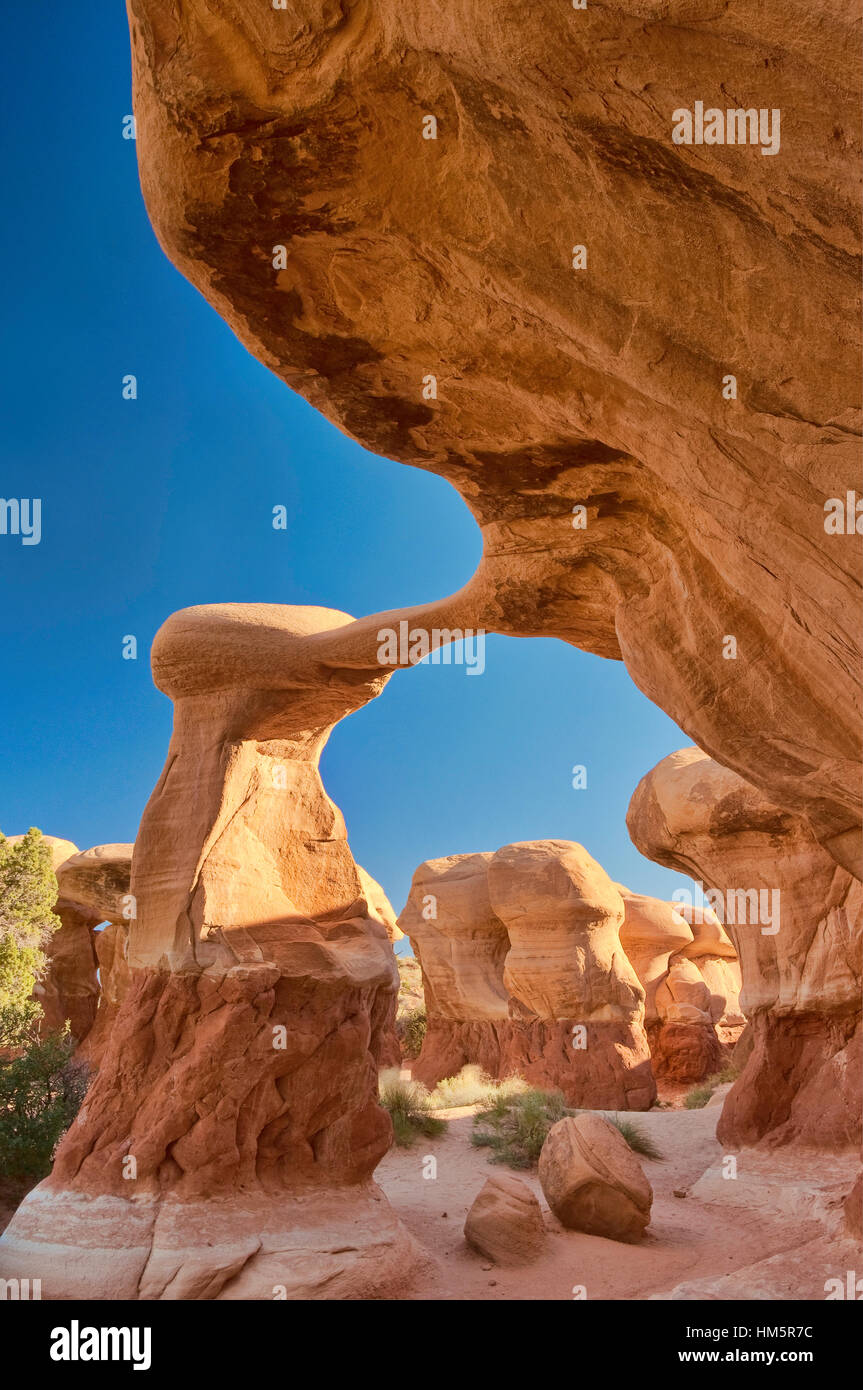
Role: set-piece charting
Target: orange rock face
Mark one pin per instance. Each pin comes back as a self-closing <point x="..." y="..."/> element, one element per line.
<point x="796" y="920"/>
<point x="112" y="946"/>
<point x="524" y="973"/>
<point x="475" y="246"/>
<point x="227" y="1143"/>
<point x="471" y="241"/>
<point x="95" y="885"/>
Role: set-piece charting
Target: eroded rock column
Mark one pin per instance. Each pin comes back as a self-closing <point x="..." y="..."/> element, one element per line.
<point x="524" y="973"/>
<point x="461" y="945"/>
<point x="226" y="1147"/>
<point x="687" y="1021"/>
<point x="99" y="882"/>
<point x="796" y="920"/>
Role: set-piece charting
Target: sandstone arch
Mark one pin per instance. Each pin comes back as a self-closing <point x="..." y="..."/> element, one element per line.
<point x="301" y="129"/>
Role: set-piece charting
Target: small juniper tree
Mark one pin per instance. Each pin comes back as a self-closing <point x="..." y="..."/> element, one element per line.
<point x="41" y="1087"/>
<point x="28" y="891"/>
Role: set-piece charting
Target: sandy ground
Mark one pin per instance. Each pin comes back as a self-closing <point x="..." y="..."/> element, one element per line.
<point x="773" y="1233"/>
<point x="688" y="1239"/>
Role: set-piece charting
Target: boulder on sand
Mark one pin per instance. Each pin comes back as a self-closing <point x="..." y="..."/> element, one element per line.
<point x="592" y="1180"/>
<point x="505" y="1222"/>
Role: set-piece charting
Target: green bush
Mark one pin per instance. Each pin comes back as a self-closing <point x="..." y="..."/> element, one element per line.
<point x="698" y="1097"/>
<point x="515" y="1126"/>
<point x="28" y="891"/>
<point x="516" y="1123"/>
<point x="41" y="1091"/>
<point x="638" y="1141"/>
<point x="409" y="1109"/>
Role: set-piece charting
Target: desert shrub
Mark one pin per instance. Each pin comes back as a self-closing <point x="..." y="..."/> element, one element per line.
<point x="411" y="1031"/>
<point x="515" y="1125"/>
<point x="729" y="1072"/>
<point x="698" y="1097"/>
<point x="41" y="1091"/>
<point x="638" y="1141"/>
<point x="473" y="1087"/>
<point x="409" y="1108"/>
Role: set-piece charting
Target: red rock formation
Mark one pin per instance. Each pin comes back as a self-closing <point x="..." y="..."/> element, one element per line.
<point x="226" y="1146"/>
<point x="112" y="947"/>
<point x="505" y="1222"/>
<point x="98" y="882"/>
<point x="285" y="171"/>
<point x="798" y="929"/>
<point x="691" y="1010"/>
<point x="517" y="950"/>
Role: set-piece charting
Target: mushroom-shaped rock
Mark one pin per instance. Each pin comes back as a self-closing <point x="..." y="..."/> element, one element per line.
<point x="459" y="941"/>
<point x="97" y="881"/>
<point x="592" y="1180"/>
<point x="681" y="1008"/>
<point x="568" y="977"/>
<point x="684" y="1046"/>
<point x="505" y="1222"/>
<point x="524" y="973"/>
<point x="795" y="919"/>
<point x="652" y="932"/>
<point x="563" y="916"/>
<point x="241" y="1068"/>
<point x="461" y="946"/>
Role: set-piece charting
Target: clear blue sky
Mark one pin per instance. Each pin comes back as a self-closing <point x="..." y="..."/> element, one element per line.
<point x="152" y="505"/>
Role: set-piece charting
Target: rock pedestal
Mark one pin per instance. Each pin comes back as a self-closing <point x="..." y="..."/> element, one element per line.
<point x="226" y="1146"/>
<point x="796" y="921"/>
<point x="524" y="973"/>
